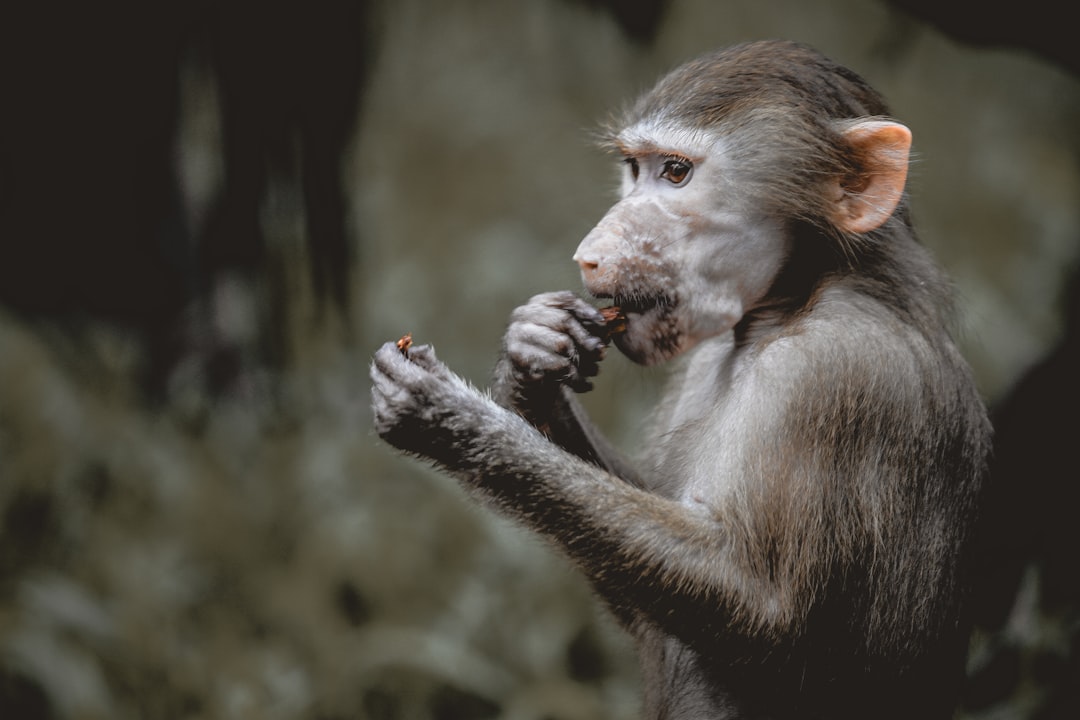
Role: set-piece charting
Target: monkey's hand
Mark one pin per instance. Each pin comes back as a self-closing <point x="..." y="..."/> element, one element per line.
<point x="554" y="340"/>
<point x="553" y="345"/>
<point x="420" y="406"/>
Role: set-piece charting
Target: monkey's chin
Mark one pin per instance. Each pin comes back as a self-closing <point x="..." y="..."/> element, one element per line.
<point x="652" y="335"/>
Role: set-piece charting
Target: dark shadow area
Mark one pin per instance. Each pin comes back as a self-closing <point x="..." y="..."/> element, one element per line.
<point x="1029" y="536"/>
<point x="92" y="218"/>
<point x="1044" y="27"/>
<point x="93" y="224"/>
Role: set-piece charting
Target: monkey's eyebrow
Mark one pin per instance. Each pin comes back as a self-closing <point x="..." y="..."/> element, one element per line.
<point x="640" y="149"/>
<point x="681" y="157"/>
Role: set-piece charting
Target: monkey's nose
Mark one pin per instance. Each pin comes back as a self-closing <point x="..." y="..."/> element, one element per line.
<point x="598" y="256"/>
<point x="590" y="268"/>
<point x="587" y="264"/>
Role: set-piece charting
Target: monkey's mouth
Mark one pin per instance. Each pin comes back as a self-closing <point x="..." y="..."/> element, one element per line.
<point x="641" y="304"/>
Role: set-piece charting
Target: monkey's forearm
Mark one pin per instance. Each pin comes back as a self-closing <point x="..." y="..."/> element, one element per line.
<point x="675" y="564"/>
<point x="603" y="453"/>
<point x="556" y="412"/>
<point x="647" y="555"/>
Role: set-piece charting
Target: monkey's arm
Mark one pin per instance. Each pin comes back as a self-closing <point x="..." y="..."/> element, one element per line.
<point x="676" y="563"/>
<point x="552" y="347"/>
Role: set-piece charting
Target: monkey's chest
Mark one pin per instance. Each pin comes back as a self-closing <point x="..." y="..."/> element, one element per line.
<point x="714" y="428"/>
<point x="704" y="386"/>
<point x="695" y="453"/>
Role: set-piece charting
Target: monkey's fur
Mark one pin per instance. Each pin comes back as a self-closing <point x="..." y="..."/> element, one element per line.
<point x="792" y="542"/>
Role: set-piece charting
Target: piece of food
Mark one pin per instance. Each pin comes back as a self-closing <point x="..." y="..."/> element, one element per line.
<point x="404" y="344"/>
<point x="615" y="321"/>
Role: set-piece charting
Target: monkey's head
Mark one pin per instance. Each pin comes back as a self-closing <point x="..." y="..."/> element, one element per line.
<point x="723" y="160"/>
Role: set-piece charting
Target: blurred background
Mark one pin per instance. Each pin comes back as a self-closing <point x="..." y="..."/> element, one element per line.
<point x="212" y="213"/>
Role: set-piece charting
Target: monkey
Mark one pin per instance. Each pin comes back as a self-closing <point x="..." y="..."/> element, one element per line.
<point x="792" y="541"/>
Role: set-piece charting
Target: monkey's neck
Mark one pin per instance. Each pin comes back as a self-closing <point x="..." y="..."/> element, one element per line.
<point x="769" y="322"/>
<point x="812" y="263"/>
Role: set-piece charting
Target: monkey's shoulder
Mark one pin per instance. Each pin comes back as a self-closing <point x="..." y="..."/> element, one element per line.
<point x="849" y="343"/>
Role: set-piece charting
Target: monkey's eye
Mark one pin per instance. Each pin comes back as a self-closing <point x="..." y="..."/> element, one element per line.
<point x="635" y="169"/>
<point x="676" y="171"/>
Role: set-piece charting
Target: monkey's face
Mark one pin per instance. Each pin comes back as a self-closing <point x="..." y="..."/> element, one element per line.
<point x="686" y="251"/>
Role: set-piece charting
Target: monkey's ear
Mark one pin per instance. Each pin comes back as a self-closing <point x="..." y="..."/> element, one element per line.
<point x="863" y="202"/>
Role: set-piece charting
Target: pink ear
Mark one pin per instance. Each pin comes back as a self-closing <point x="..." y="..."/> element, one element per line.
<point x="865" y="202"/>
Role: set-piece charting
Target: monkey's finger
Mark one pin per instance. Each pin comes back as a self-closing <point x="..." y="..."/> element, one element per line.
<point x="587" y="340"/>
<point x="557" y="328"/>
<point x="571" y="340"/>
<point x="586" y="313"/>
<point x="577" y="307"/>
<point x="543" y="352"/>
<point x="579" y="385"/>
<point x="567" y="342"/>
<point x="540" y="314"/>
<point x="558" y="310"/>
<point x="589" y="366"/>
<point x="387" y="356"/>
<point x="583" y="311"/>
<point x="535" y="362"/>
<point x="385" y="390"/>
<point x="555" y="369"/>
<point x="564" y="300"/>
<point x="424" y="357"/>
<point x="391" y="363"/>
